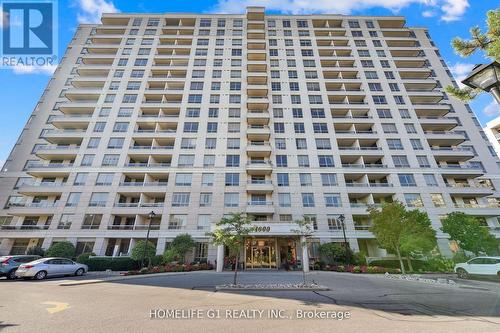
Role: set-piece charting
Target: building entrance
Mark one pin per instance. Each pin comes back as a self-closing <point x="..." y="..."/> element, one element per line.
<point x="269" y="253"/>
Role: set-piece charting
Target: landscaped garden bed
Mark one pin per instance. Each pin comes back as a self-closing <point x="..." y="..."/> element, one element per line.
<point x="172" y="268"/>
<point x="360" y="269"/>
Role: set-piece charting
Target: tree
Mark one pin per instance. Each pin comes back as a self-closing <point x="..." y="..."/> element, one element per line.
<point x="304" y="230"/>
<point x="469" y="234"/>
<point x="334" y="252"/>
<point x="400" y="231"/>
<point x="170" y="255"/>
<point x="488" y="42"/>
<point x="149" y="251"/>
<point x="61" y="249"/>
<point x="231" y="232"/>
<point x="182" y="244"/>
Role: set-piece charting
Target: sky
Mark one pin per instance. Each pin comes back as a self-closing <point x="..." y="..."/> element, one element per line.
<point x="445" y="19"/>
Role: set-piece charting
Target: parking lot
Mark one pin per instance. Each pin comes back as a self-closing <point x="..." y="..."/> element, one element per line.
<point x="374" y="302"/>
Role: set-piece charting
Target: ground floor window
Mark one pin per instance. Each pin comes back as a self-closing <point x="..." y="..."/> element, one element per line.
<point x="84" y="247"/>
<point x="20" y="246"/>
<point x="201" y="252"/>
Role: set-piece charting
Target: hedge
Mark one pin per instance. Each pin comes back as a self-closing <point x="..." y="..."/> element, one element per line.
<point x="112" y="263"/>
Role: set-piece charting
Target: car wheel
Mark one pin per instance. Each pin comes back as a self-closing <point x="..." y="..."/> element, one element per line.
<point x="462" y="273"/>
<point x="79" y="272"/>
<point x="11" y="275"/>
<point x="41" y="275"/>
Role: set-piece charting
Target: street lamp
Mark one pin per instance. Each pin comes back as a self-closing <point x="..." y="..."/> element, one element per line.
<point x="151" y="215"/>
<point x="485" y="77"/>
<point x="341" y="218"/>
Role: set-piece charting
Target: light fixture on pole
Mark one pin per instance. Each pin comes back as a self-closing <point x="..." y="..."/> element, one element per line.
<point x="485" y="77"/>
<point x="151" y="216"/>
<point x="341" y="218"/>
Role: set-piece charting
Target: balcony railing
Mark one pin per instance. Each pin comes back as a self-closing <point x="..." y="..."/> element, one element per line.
<point x="143" y="183"/>
<point x="371" y="165"/>
<point x="259" y="203"/>
<point x="24" y="227"/>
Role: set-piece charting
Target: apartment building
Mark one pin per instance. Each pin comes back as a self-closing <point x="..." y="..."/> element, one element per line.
<point x="492" y="130"/>
<point x="194" y="116"/>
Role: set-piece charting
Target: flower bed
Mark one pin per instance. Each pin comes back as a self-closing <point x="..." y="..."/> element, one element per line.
<point x="361" y="269"/>
<point x="172" y="268"/>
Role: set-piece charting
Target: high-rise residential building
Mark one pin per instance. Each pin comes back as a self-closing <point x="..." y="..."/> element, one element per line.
<point x="194" y="116"/>
<point x="492" y="130"/>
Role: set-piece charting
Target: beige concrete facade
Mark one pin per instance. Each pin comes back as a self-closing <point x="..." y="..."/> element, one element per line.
<point x="194" y="116"/>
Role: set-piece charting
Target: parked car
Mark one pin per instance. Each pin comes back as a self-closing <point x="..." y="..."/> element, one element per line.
<point x="9" y="264"/>
<point x="479" y="266"/>
<point x="42" y="268"/>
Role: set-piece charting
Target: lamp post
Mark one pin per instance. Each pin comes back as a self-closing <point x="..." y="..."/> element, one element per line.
<point x="341" y="218"/>
<point x="485" y="77"/>
<point x="151" y="215"/>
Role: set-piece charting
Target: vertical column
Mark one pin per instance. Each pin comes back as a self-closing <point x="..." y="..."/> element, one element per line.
<point x="220" y="258"/>
<point x="305" y="254"/>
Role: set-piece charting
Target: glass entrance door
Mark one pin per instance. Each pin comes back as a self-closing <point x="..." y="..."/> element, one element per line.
<point x="260" y="253"/>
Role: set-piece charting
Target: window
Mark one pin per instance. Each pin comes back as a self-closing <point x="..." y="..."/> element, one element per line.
<point x="232" y="179"/>
<point x="180" y="199"/>
<point x="194" y="98"/>
<point x="207" y="179"/>
<point x="299" y="128"/>
<point x="279" y="128"/>
<point x="423" y="162"/>
<point x="323" y="144"/>
<point x="93" y="142"/>
<point x="410" y="128"/>
<point x="188" y="143"/>
<point x="283" y="179"/>
<point x="80" y="178"/>
<point x="308" y="199"/>
<point x="389" y="128"/>
<point x="329" y="179"/>
<point x="233" y="143"/>
<point x="379" y="100"/>
<point x="375" y="86"/>
<point x="400" y="161"/>
<point x="210" y="143"/>
<point x="406" y="179"/>
<point x="91" y="221"/>
<point x="211" y="127"/>
<point x="416" y="144"/>
<point x="205" y="199"/>
<point x="371" y="75"/>
<point x="320" y="128"/>
<point x="177" y="221"/>
<point x="185" y="160"/>
<point x="280" y="143"/>
<point x="208" y="160"/>
<point x="87" y="160"/>
<point x="332" y="200"/>
<point x="231" y="199"/>
<point x="129" y="98"/>
<point x="99" y="127"/>
<point x="110" y="160"/>
<point x="98" y="199"/>
<point x="395" y="144"/>
<point x="413" y="200"/>
<point x="183" y="179"/>
<point x="141" y="62"/>
<point x="120" y="127"/>
<point x="284" y="200"/>
<point x="438" y="200"/>
<point x="233" y="160"/>
<point x="305" y="179"/>
<point x="281" y="161"/>
<point x="430" y="179"/>
<point x="190" y="127"/>
<point x="104" y="179"/>
<point x="325" y="161"/>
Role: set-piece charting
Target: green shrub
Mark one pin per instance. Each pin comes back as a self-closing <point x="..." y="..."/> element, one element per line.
<point x="182" y="244"/>
<point x="334" y="252"/>
<point x="460" y="257"/>
<point x="170" y="255"/>
<point x="35" y="251"/>
<point x="61" y="249"/>
<point x="84" y="256"/>
<point x="138" y="251"/>
<point x="112" y="263"/>
<point x="439" y="264"/>
<point x="157" y="260"/>
<point x="359" y="258"/>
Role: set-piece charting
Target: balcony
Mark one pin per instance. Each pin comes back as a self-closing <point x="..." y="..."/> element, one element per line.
<point x="258" y="149"/>
<point x="260" y="207"/>
<point x="444" y="138"/>
<point x="452" y="154"/>
<point x="260" y="186"/>
<point x="364" y="166"/>
<point x="258" y="133"/>
<point x="258" y="117"/>
<point x="259" y="167"/>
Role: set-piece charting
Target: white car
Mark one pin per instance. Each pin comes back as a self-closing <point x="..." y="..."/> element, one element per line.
<point x="41" y="268"/>
<point x="484" y="266"/>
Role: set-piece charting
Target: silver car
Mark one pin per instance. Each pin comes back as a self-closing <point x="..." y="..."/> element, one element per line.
<point x="41" y="268"/>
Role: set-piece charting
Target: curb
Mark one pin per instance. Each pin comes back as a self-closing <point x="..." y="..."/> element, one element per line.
<point x="120" y="278"/>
